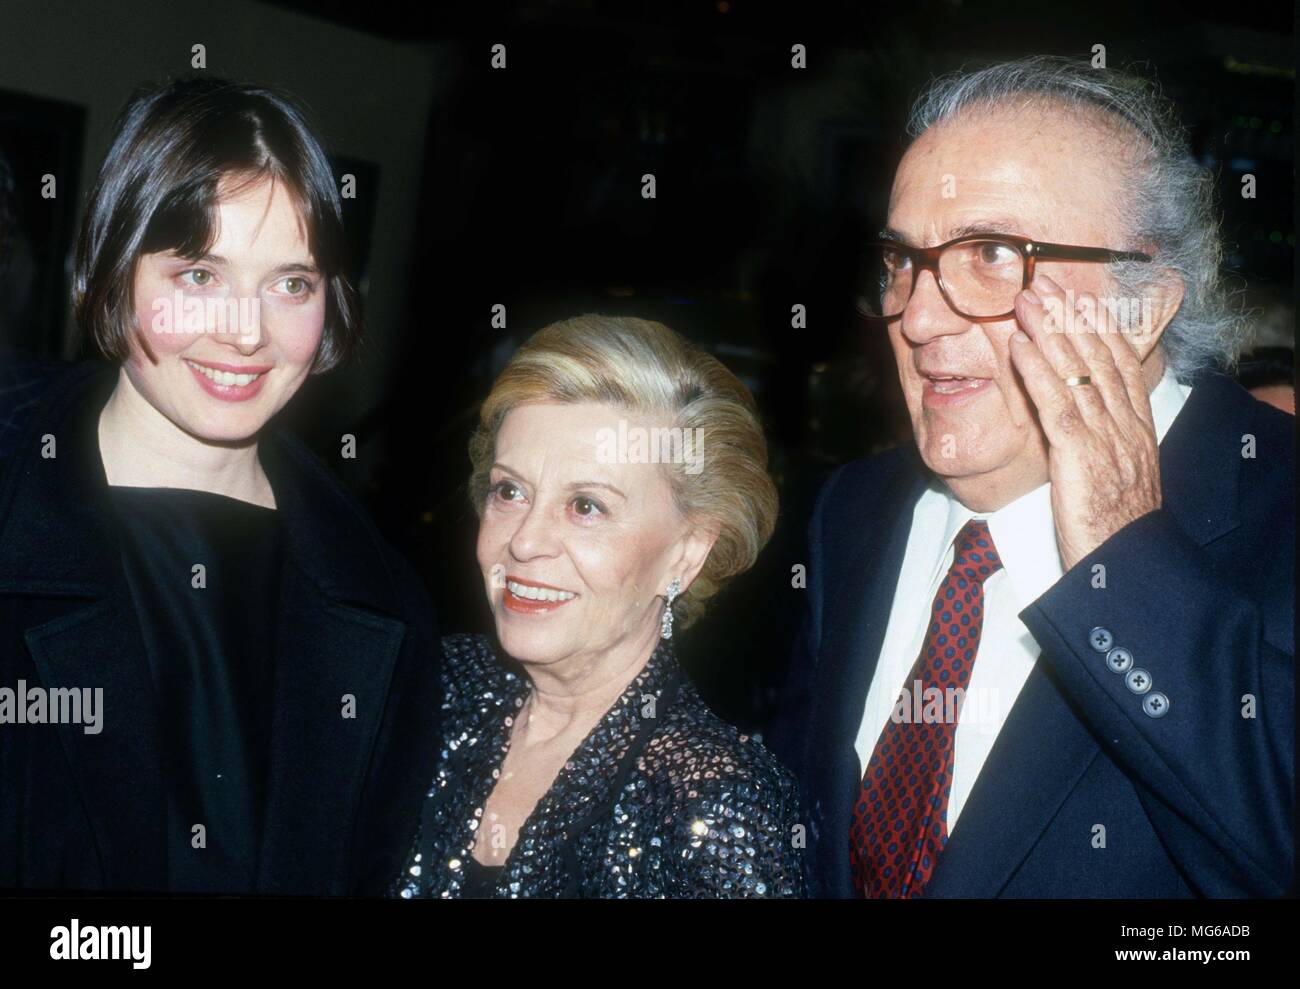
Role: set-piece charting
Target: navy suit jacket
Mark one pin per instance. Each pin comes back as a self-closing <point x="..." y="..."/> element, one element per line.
<point x="1202" y="592"/>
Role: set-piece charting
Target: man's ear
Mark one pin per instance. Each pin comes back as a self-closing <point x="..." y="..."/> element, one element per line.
<point x="1158" y="306"/>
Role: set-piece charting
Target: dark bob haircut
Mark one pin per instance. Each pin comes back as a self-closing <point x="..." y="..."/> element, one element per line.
<point x="158" y="191"/>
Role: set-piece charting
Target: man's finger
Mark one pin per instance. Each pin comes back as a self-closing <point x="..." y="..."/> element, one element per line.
<point x="1046" y="323"/>
<point x="1087" y="338"/>
<point x="1041" y="314"/>
<point x="1057" y="411"/>
<point x="1131" y="373"/>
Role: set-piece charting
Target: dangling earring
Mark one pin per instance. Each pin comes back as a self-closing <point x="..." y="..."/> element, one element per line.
<point x="666" y="627"/>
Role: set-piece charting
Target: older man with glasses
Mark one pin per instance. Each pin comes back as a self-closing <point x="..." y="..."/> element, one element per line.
<point x="1049" y="649"/>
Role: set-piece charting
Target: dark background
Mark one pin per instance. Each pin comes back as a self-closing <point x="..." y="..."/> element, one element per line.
<point x="528" y="195"/>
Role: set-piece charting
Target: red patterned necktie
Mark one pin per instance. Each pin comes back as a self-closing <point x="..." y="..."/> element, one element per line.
<point x="900" y="822"/>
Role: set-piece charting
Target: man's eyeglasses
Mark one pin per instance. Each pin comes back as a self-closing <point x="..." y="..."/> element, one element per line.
<point x="979" y="275"/>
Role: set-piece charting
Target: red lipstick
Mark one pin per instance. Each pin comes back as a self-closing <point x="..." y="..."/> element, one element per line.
<point x="550" y="598"/>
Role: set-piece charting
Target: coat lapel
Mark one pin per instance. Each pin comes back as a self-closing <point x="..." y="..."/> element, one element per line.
<point x="117" y="770"/>
<point x="337" y="646"/>
<point x="334" y="665"/>
<point x="336" y="650"/>
<point x="58" y="549"/>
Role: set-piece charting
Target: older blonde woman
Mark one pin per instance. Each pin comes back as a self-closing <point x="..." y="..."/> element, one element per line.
<point x="620" y="478"/>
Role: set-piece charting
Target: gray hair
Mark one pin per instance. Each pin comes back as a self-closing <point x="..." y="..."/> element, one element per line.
<point x="1171" y="210"/>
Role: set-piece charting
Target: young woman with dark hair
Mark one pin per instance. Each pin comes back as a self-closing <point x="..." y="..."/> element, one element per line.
<point x="248" y="673"/>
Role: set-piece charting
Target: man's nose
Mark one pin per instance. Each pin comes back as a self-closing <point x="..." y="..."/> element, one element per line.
<point x="927" y="314"/>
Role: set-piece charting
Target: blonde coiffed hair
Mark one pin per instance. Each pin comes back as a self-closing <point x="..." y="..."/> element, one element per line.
<point x="649" y="370"/>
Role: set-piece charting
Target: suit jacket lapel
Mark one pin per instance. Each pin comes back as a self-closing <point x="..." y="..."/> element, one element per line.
<point x="1040" y="755"/>
<point x="1025" y="780"/>
<point x="859" y="586"/>
<point x="1208" y="430"/>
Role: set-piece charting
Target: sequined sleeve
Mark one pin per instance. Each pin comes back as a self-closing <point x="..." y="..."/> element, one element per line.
<point x="739" y="835"/>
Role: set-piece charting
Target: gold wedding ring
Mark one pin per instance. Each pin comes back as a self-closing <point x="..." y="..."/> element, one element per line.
<point x="1077" y="380"/>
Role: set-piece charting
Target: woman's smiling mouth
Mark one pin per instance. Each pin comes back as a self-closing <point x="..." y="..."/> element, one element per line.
<point x="527" y="597"/>
<point x="229" y="382"/>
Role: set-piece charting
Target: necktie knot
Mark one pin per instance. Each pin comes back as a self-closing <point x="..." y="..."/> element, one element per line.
<point x="974" y="554"/>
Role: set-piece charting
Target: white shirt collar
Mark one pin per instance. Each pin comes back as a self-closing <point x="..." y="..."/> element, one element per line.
<point x="1023" y="531"/>
<point x="1167" y="400"/>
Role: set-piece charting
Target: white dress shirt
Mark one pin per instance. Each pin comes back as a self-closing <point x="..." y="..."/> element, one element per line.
<point x="1025" y="537"/>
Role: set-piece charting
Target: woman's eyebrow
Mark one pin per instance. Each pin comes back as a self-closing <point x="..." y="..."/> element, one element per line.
<point x="571" y="486"/>
<point x="575" y="485"/>
<point x="221" y="262"/>
<point x="210" y="258"/>
<point x="306" y="266"/>
<point x="506" y="469"/>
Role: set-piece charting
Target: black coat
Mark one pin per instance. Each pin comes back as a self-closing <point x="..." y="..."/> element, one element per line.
<point x="83" y="811"/>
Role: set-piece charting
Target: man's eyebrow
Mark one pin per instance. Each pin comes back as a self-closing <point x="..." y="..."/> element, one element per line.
<point x="989" y="226"/>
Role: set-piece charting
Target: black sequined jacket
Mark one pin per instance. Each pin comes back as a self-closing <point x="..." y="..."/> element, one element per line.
<point x="661" y="799"/>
